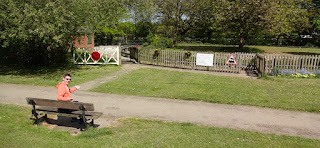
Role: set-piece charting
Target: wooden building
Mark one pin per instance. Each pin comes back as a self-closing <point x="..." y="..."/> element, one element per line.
<point x="84" y="41"/>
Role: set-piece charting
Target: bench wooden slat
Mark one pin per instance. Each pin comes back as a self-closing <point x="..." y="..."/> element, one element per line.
<point x="75" y="114"/>
<point x="60" y="104"/>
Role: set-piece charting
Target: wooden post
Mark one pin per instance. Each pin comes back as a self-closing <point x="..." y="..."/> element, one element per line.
<point x="85" y="55"/>
<point x="118" y="54"/>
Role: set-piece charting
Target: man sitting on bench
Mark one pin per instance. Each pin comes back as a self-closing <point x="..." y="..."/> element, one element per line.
<point x="64" y="93"/>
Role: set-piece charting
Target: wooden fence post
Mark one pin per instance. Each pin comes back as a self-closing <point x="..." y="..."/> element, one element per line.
<point x="119" y="53"/>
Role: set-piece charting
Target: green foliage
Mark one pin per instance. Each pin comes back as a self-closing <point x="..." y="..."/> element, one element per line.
<point x="32" y="32"/>
<point x="316" y="22"/>
<point x="316" y="26"/>
<point x="143" y="28"/>
<point x="40" y="32"/>
<point x="182" y="15"/>
<point x="142" y="10"/>
<point x="141" y="14"/>
<point x="17" y="130"/>
<point x="249" y="18"/>
<point x="159" y="41"/>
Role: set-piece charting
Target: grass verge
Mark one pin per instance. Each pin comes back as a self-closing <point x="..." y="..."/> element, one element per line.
<point x="281" y="93"/>
<point x="16" y="130"/>
<point x="51" y="77"/>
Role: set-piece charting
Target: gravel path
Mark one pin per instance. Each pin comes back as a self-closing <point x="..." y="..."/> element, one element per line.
<point x="220" y="115"/>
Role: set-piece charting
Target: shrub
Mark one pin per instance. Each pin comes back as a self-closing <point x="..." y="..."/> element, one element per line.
<point x="159" y="41"/>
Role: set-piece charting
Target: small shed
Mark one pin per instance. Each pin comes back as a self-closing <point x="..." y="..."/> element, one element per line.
<point x="84" y="41"/>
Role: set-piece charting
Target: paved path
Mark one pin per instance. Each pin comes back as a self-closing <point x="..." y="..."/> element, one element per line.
<point x="229" y="116"/>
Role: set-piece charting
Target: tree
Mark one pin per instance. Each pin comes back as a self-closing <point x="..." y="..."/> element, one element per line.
<point x="205" y="27"/>
<point x="181" y="15"/>
<point x="105" y="35"/>
<point x="32" y="32"/>
<point x="316" y="23"/>
<point x="39" y="32"/>
<point x="287" y="17"/>
<point x="247" y="18"/>
<point x="142" y="13"/>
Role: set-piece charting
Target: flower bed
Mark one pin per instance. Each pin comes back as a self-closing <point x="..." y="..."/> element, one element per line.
<point x="296" y="74"/>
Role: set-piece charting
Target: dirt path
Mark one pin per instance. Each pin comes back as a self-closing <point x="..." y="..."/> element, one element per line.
<point x="127" y="68"/>
<point x="228" y="116"/>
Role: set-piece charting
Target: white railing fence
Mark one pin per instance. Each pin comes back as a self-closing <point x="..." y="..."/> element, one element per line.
<point x="97" y="55"/>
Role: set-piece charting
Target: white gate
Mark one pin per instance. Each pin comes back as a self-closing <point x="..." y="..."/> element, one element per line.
<point x="97" y="55"/>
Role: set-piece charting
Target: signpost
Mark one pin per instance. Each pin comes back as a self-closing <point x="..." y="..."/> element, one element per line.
<point x="95" y="56"/>
<point x="232" y="60"/>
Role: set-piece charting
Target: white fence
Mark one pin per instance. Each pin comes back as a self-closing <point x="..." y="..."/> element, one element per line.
<point x="97" y="55"/>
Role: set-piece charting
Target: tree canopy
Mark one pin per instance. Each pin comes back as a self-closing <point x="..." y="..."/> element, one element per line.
<point x="275" y="17"/>
<point x="39" y="32"/>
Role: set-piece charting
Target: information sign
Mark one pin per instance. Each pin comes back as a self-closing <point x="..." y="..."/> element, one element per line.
<point x="204" y="59"/>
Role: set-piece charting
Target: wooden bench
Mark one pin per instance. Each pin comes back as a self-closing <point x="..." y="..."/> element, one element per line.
<point x="42" y="107"/>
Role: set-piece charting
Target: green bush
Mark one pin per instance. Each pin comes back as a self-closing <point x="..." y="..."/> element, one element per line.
<point x="159" y="41"/>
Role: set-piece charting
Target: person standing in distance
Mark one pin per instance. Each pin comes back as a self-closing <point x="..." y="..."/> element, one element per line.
<point x="63" y="91"/>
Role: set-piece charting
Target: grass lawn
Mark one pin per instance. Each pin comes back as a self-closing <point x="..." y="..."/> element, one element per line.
<point x="51" y="77"/>
<point x="248" y="48"/>
<point x="215" y="48"/>
<point x="288" y="50"/>
<point x="17" y="130"/>
<point x="282" y="93"/>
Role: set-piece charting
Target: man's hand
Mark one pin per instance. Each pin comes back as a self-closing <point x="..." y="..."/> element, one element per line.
<point x="77" y="87"/>
<point x="70" y="99"/>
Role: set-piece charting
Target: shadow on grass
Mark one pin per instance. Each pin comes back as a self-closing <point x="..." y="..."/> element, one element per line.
<point x="220" y="49"/>
<point x="10" y="66"/>
<point x="302" y="53"/>
<point x="13" y="69"/>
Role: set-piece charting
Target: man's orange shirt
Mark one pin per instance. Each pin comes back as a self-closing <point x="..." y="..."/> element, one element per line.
<point x="63" y="92"/>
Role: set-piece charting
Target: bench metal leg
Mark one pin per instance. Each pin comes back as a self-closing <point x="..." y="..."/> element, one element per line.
<point x="92" y="122"/>
<point x="45" y="117"/>
<point x="37" y="121"/>
<point x="35" y="114"/>
<point x="84" y="121"/>
<point x="83" y="116"/>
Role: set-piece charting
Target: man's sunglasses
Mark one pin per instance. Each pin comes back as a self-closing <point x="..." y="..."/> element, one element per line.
<point x="68" y="79"/>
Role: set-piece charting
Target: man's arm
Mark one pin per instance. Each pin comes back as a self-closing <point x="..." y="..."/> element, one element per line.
<point x="74" y="88"/>
<point x="61" y="91"/>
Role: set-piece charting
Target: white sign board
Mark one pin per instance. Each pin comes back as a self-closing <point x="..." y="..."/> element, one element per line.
<point x="204" y="59"/>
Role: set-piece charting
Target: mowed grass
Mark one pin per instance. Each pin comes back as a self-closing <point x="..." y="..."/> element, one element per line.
<point x="288" y="50"/>
<point x="51" y="77"/>
<point x="17" y="130"/>
<point x="281" y="93"/>
<point x="249" y="48"/>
